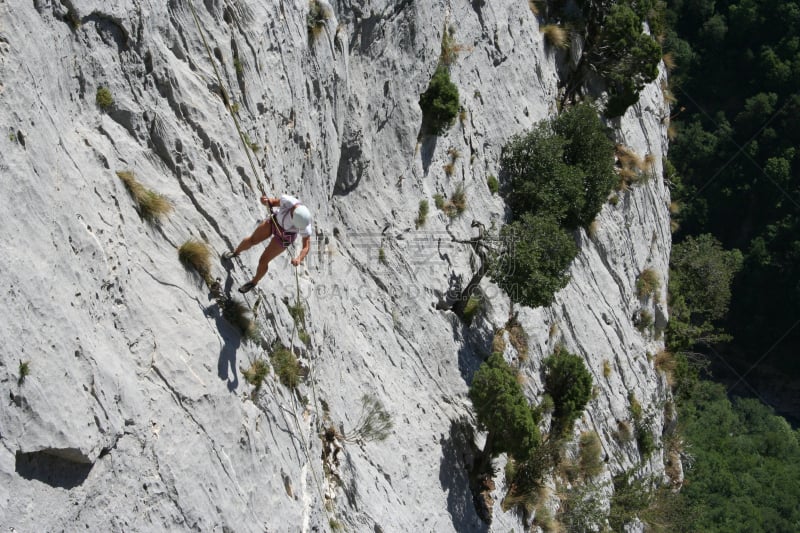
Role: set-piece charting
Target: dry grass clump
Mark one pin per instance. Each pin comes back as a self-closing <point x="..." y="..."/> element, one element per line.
<point x="669" y="61"/>
<point x="317" y="17"/>
<point x="555" y="36"/>
<point x="256" y="374"/>
<point x="455" y="205"/>
<point x="648" y="283"/>
<point x="151" y="205"/>
<point x="498" y="342"/>
<point x="630" y="166"/>
<point x="589" y="459"/>
<point x="518" y="338"/>
<point x="665" y="362"/>
<point x="196" y="254"/>
<point x="606" y="369"/>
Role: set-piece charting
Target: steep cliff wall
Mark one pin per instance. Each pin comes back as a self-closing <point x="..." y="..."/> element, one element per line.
<point x="134" y="416"/>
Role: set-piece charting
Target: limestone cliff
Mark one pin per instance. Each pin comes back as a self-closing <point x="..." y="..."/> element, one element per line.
<point x="134" y="415"/>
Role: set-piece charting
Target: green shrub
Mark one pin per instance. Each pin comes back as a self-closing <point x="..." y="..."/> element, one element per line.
<point x="569" y="382"/>
<point x="151" y="205"/>
<point x="286" y="365"/>
<point x="701" y="274"/>
<point x="103" y="99"/>
<point x="564" y="168"/>
<point x="255" y="375"/>
<point x="502" y="410"/>
<point x="439" y="102"/>
<point x="493" y="184"/>
<point x="471" y="309"/>
<point x="532" y="263"/>
<point x="196" y="254"/>
<point x="438" y="201"/>
<point x="422" y="215"/>
<point x="24" y="371"/>
<point x="647" y="284"/>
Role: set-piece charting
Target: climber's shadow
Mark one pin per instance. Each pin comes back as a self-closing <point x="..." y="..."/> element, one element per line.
<point x="231" y="341"/>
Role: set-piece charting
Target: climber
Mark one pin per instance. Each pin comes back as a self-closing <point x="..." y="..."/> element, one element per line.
<point x="288" y="218"/>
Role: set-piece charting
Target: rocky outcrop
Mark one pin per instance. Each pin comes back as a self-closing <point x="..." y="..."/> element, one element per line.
<point x="134" y="415"/>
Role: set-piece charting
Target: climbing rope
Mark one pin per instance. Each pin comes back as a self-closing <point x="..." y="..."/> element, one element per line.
<point x="226" y="101"/>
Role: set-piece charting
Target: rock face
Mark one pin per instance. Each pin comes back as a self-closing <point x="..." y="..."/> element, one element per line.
<point x="134" y="415"/>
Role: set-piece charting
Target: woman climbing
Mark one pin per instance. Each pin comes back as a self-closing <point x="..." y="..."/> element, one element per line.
<point x="288" y="219"/>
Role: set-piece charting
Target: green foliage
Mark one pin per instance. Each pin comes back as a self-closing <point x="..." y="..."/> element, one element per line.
<point x="286" y="365"/>
<point x="151" y="205"/>
<point x="747" y="141"/>
<point x="256" y="374"/>
<point x="471" y="309"/>
<point x="493" y="184"/>
<point x="196" y="254"/>
<point x="24" y="371"/>
<point x="625" y="56"/>
<point x="648" y="284"/>
<point x="657" y="506"/>
<point x="701" y="273"/>
<point x="569" y="382"/>
<point x="584" y="509"/>
<point x="564" y="168"/>
<point x="374" y="423"/>
<point x="746" y="464"/>
<point x="531" y="267"/>
<point x="438" y="201"/>
<point x="439" y="102"/>
<point x="502" y="410"/>
<point x="422" y="214"/>
<point x="103" y="99"/>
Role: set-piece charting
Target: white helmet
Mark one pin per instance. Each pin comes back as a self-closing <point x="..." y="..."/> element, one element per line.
<point x="301" y="217"/>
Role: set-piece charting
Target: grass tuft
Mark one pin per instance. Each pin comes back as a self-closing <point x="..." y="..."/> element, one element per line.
<point x="375" y="423"/>
<point x="472" y="308"/>
<point x="151" y="205"/>
<point x="648" y="284"/>
<point x="103" y="99"/>
<point x="555" y="36"/>
<point x="196" y="254"/>
<point x="317" y="17"/>
<point x="256" y="374"/>
<point x="422" y="214"/>
<point x="493" y="184"/>
<point x="24" y="371"/>
<point x="286" y="365"/>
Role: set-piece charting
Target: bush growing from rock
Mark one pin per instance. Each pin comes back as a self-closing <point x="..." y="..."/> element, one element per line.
<point x="569" y="382"/>
<point x="286" y="365"/>
<point x="103" y="98"/>
<point x="563" y="167"/>
<point x="502" y="410"/>
<point x="531" y="266"/>
<point x="439" y="102"/>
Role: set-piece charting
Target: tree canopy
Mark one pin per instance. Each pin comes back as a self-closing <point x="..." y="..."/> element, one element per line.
<point x="502" y="409"/>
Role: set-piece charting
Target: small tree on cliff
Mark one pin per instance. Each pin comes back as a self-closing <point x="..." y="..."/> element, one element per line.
<point x="569" y="383"/>
<point x="502" y="410"/>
